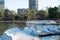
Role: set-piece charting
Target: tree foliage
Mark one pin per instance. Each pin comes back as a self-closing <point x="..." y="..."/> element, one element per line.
<point x="42" y="14"/>
<point x="53" y="13"/>
<point x="27" y="15"/>
<point x="9" y="14"/>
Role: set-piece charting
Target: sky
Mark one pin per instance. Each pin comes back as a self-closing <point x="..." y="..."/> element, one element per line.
<point x="42" y="4"/>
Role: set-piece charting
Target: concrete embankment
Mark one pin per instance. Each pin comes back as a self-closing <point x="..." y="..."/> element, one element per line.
<point x="14" y="21"/>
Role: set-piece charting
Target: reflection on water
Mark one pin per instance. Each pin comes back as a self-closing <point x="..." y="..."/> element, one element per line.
<point x="5" y="26"/>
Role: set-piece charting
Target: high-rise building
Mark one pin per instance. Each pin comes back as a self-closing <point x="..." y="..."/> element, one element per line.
<point x="1" y="4"/>
<point x="33" y="4"/>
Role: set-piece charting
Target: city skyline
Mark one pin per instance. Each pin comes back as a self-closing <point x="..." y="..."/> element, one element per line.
<point x="42" y="4"/>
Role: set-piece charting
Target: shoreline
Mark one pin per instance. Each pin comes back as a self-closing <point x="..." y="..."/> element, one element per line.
<point x="14" y="21"/>
<point x="28" y="20"/>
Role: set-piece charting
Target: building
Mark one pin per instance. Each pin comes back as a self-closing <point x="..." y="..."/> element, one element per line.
<point x="2" y="4"/>
<point x="33" y="4"/>
<point x="19" y="11"/>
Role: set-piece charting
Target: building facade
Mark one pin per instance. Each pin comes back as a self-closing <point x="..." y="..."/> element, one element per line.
<point x="19" y="11"/>
<point x="2" y="4"/>
<point x="33" y="4"/>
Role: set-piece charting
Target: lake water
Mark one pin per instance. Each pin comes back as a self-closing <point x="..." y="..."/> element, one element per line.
<point x="5" y="26"/>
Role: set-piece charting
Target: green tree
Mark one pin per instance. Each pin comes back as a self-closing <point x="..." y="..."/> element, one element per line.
<point x="58" y="14"/>
<point x="9" y="14"/>
<point x="42" y="14"/>
<point x="12" y="14"/>
<point x="1" y="14"/>
<point x="27" y="15"/>
<point x="30" y="14"/>
<point x="6" y="12"/>
<point x="53" y="13"/>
